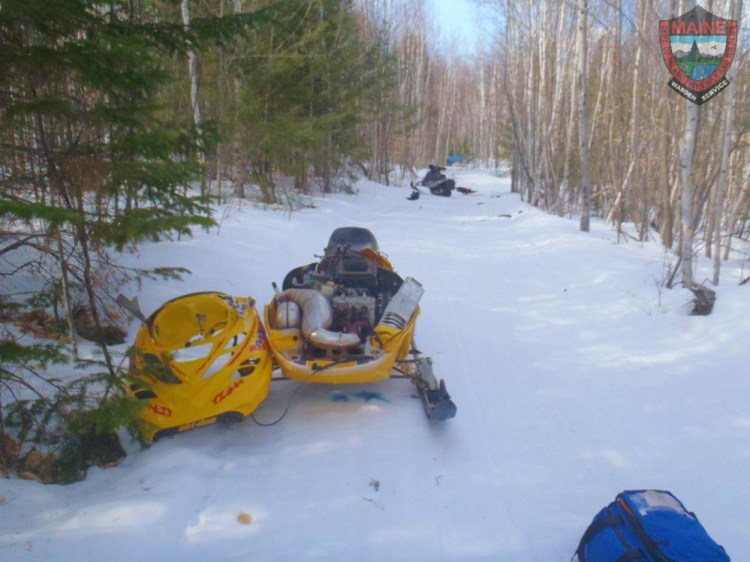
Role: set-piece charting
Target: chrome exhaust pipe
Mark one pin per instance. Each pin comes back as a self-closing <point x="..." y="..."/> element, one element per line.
<point x="317" y="317"/>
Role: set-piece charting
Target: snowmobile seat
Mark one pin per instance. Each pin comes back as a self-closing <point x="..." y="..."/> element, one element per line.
<point x="354" y="237"/>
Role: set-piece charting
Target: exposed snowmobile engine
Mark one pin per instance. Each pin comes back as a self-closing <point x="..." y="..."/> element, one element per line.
<point x="354" y="313"/>
<point x="370" y="304"/>
<point x="317" y="318"/>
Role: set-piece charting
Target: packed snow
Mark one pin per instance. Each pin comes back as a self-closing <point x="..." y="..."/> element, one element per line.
<point x="576" y="374"/>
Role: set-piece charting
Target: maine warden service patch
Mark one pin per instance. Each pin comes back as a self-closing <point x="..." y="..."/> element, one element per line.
<point x="698" y="48"/>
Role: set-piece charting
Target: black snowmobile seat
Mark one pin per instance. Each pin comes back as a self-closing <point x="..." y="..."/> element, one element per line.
<point x="355" y="237"/>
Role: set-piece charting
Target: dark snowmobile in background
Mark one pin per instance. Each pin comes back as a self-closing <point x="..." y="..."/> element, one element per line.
<point x="436" y="182"/>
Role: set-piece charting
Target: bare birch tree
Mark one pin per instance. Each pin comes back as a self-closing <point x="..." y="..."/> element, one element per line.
<point x="583" y="124"/>
<point x="720" y="191"/>
<point x="194" y="102"/>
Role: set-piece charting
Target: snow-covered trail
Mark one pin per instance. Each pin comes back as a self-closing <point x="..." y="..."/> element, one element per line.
<point x="575" y="377"/>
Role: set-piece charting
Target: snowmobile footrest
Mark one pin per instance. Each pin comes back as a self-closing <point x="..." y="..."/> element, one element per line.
<point x="436" y="401"/>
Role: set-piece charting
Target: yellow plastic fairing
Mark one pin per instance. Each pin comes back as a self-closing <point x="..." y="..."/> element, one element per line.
<point x="381" y="260"/>
<point x="199" y="359"/>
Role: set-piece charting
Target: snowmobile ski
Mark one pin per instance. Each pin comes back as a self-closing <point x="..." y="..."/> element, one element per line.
<point x="436" y="401"/>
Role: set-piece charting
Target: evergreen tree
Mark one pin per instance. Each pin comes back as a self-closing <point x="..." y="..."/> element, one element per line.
<point x="695" y="53"/>
<point x="84" y="151"/>
<point x="302" y="94"/>
<point x="89" y="160"/>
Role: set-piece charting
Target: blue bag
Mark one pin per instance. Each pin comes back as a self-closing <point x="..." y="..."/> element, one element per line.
<point x="647" y="525"/>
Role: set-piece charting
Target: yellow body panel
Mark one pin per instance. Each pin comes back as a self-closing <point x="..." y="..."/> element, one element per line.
<point x="381" y="260"/>
<point x="201" y="358"/>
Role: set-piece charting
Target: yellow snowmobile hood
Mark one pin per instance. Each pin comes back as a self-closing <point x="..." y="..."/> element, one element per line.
<point x="199" y="359"/>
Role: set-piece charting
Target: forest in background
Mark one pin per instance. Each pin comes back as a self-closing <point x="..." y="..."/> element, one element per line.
<point x="597" y="129"/>
<point x="573" y="95"/>
<point x="122" y="121"/>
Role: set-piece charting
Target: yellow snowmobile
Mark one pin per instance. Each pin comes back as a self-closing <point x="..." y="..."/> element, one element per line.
<point x="347" y="319"/>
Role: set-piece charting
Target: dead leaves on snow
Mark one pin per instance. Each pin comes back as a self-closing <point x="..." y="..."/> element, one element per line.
<point x="244" y="518"/>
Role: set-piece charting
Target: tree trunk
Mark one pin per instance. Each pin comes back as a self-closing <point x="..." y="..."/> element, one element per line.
<point x="193" y="72"/>
<point x="639" y="184"/>
<point x="583" y="125"/>
<point x="720" y="192"/>
<point x="688" y="191"/>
